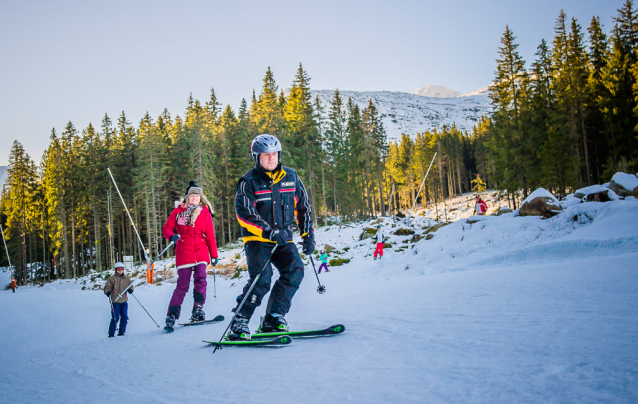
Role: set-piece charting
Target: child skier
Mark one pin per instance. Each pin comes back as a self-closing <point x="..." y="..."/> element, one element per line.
<point x="190" y="227"/>
<point x="13" y="285"/>
<point x="116" y="285"/>
<point x="380" y="239"/>
<point x="324" y="261"/>
<point x="480" y="207"/>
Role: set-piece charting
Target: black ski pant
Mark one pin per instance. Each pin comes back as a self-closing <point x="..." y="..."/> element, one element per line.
<point x="287" y="261"/>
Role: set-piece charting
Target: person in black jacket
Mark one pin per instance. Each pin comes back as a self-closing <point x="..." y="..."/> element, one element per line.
<point x="269" y="199"/>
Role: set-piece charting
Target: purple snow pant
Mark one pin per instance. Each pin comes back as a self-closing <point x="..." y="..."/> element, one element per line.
<point x="323" y="265"/>
<point x="183" y="282"/>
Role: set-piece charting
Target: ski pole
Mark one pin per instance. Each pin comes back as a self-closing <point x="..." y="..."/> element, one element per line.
<point x="140" y="274"/>
<point x="368" y="252"/>
<point x="7" y="250"/>
<point x="232" y="320"/>
<point x="112" y="311"/>
<point x="149" y="314"/>
<point x="214" y="283"/>
<point x="129" y="215"/>
<point x="321" y="289"/>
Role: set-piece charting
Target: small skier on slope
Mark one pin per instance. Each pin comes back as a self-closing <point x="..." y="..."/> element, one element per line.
<point x="268" y="197"/>
<point x="480" y="207"/>
<point x="13" y="285"/>
<point x="115" y="286"/>
<point x="324" y="261"/>
<point x="190" y="227"/>
<point x="380" y="239"/>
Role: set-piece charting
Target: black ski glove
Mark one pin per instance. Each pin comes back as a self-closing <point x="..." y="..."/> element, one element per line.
<point x="174" y="238"/>
<point x="309" y="244"/>
<point x="214" y="261"/>
<point x="108" y="294"/>
<point x="130" y="291"/>
<point x="278" y="236"/>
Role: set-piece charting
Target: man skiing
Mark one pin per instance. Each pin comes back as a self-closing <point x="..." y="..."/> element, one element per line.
<point x="13" y="285"/>
<point x="380" y="239"/>
<point x="269" y="198"/>
<point x="190" y="227"/>
<point x="324" y="261"/>
<point x="116" y="285"/>
<point x="480" y="207"/>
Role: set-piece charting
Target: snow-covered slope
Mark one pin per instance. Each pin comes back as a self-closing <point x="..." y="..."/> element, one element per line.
<point x="436" y="92"/>
<point x="410" y="113"/>
<point x="507" y="309"/>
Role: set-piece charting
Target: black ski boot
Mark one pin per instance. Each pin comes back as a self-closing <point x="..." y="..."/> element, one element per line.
<point x="273" y="323"/>
<point x="239" y="330"/>
<point x="198" y="314"/>
<point x="170" y="322"/>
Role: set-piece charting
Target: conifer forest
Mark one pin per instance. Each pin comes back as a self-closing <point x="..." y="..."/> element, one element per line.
<point x="565" y="120"/>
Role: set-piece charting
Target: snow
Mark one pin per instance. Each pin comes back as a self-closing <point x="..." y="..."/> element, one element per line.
<point x="592" y="189"/>
<point x="409" y="113"/>
<point x="509" y="309"/>
<point x="627" y="181"/>
<point x="540" y="193"/>
<point x="436" y="92"/>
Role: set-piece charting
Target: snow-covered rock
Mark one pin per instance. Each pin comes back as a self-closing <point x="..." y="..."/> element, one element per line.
<point x="592" y="189"/>
<point x="503" y="210"/>
<point x="540" y="203"/>
<point x="436" y="92"/>
<point x="595" y="193"/>
<point x="624" y="184"/>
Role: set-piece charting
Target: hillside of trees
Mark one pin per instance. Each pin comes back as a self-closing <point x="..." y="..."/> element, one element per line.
<point x="564" y="121"/>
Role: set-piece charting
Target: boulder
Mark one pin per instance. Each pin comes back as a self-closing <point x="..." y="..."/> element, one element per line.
<point x="624" y="184"/>
<point x="602" y="196"/>
<point x="503" y="210"/>
<point x="416" y="238"/>
<point x="328" y="247"/>
<point x="367" y="233"/>
<point x="404" y="232"/>
<point x="433" y="229"/>
<point x="540" y="203"/>
<point x="593" y="189"/>
<point x="429" y="237"/>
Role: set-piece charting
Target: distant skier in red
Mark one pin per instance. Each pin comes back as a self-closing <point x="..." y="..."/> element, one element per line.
<point x="380" y="238"/>
<point x="480" y="207"/>
<point x="13" y="285"/>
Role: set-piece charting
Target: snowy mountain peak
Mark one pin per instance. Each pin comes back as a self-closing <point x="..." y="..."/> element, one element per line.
<point x="435" y="91"/>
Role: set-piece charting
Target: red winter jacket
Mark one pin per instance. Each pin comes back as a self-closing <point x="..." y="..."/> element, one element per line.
<point x="197" y="243"/>
<point x="480" y="207"/>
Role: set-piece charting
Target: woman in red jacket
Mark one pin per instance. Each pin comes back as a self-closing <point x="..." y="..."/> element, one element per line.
<point x="190" y="227"/>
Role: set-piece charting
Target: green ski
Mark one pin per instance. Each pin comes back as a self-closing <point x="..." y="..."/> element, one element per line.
<point x="273" y="342"/>
<point x="326" y="332"/>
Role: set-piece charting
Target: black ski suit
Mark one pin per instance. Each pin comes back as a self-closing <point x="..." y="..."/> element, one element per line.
<point x="267" y="201"/>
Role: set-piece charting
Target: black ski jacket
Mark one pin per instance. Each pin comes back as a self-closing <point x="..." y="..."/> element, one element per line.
<point x="272" y="200"/>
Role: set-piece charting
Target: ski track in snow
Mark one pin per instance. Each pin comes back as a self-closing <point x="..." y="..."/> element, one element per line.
<point x="509" y="309"/>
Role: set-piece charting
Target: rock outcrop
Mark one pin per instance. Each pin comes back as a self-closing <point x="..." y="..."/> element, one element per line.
<point x="540" y="203"/>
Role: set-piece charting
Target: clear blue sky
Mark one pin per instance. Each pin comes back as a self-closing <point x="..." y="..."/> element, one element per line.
<point x="63" y="60"/>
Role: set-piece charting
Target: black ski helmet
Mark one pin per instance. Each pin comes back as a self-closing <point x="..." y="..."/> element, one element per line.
<point x="265" y="144"/>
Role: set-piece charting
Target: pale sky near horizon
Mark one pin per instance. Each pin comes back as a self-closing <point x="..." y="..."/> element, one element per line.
<point x="75" y="61"/>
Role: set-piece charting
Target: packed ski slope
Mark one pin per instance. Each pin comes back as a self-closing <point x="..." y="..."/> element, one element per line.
<point x="507" y="309"/>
